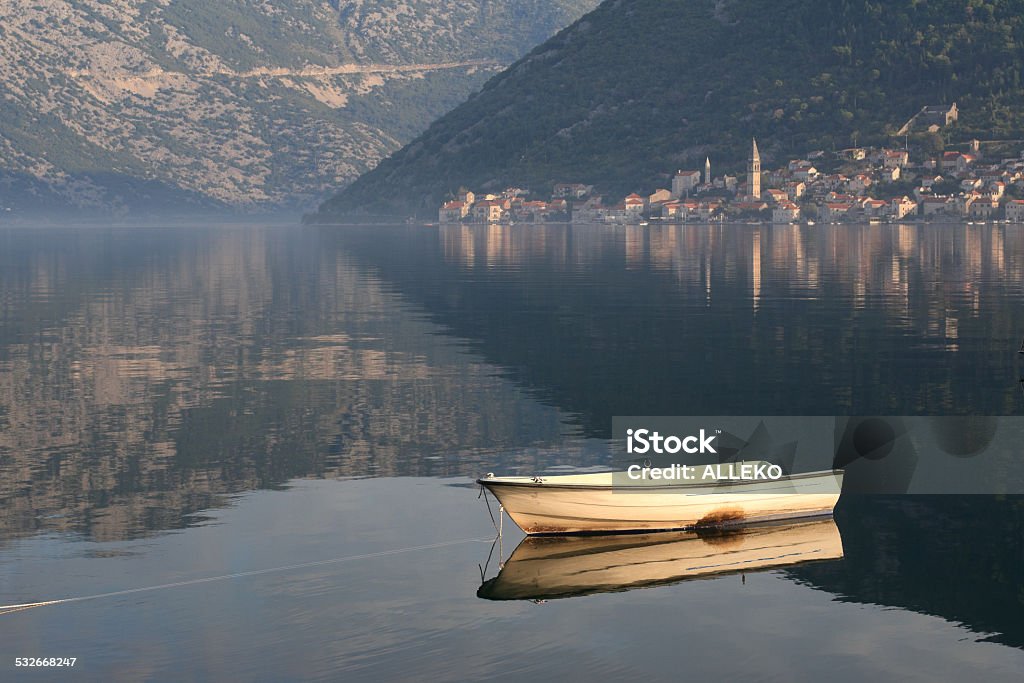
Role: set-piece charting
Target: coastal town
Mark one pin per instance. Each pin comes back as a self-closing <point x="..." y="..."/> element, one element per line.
<point x="873" y="184"/>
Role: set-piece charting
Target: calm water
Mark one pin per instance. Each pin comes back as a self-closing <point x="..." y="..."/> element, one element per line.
<point x="178" y="405"/>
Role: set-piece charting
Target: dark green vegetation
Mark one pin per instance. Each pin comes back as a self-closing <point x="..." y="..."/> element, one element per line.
<point x="639" y="88"/>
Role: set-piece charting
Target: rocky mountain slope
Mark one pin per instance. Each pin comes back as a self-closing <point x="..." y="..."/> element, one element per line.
<point x="147" y="105"/>
<point x="639" y="88"/>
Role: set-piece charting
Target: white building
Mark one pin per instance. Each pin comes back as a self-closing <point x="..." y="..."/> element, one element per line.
<point x="1015" y="210"/>
<point x="452" y="212"/>
<point x="902" y="207"/>
<point x="633" y="206"/>
<point x="934" y="205"/>
<point x="684" y="183"/>
<point x="786" y="212"/>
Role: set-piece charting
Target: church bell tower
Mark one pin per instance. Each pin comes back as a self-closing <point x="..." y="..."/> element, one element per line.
<point x="754" y="173"/>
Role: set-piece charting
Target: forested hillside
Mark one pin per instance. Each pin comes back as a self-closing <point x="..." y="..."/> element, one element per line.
<point x="639" y="88"/>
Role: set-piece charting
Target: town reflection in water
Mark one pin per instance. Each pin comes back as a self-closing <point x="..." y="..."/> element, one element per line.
<point x="858" y="263"/>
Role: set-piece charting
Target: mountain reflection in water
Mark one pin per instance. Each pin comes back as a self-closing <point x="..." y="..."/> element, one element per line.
<point x="145" y="375"/>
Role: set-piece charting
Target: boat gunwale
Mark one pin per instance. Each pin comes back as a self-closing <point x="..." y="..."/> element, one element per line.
<point x="642" y="488"/>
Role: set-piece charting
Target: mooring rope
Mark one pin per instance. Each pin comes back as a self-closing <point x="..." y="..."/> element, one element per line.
<point x="8" y="609"/>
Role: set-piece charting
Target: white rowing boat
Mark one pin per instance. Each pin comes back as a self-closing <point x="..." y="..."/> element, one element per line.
<point x="611" y="502"/>
<point x="568" y="566"/>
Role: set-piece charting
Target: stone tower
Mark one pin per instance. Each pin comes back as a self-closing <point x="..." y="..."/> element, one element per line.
<point x="707" y="171"/>
<point x="754" y="173"/>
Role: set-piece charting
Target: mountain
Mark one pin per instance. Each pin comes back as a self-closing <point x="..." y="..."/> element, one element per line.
<point x="144" y="105"/>
<point x="639" y="88"/>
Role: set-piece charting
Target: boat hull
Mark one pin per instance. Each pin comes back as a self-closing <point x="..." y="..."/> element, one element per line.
<point x="549" y="507"/>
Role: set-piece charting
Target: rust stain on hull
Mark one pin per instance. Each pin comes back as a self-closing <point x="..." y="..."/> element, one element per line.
<point x="720" y="517"/>
<point x="712" y="525"/>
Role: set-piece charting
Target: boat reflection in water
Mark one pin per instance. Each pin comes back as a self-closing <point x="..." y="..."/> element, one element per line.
<point x="569" y="566"/>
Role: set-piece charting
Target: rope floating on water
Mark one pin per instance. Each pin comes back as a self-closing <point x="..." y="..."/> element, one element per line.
<point x="9" y="609"/>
